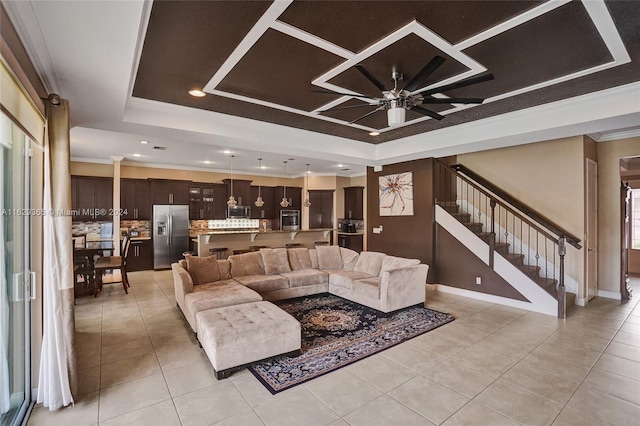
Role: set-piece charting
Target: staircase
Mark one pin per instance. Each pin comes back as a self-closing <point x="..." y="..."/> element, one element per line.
<point x="528" y="241"/>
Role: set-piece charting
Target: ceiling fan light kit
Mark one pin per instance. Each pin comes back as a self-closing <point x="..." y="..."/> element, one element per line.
<point x="397" y="101"/>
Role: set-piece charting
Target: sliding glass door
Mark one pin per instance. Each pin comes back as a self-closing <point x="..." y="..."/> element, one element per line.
<point x="15" y="359"/>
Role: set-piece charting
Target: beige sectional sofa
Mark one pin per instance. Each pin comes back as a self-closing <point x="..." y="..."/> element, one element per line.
<point x="382" y="282"/>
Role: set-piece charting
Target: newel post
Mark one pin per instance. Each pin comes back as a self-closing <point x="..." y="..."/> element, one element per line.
<point x="562" y="299"/>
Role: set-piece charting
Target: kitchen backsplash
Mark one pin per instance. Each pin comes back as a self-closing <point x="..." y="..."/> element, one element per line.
<point x="358" y="223"/>
<point x="142" y="227"/>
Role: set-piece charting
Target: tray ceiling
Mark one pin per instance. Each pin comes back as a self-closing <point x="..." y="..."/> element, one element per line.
<point x="260" y="60"/>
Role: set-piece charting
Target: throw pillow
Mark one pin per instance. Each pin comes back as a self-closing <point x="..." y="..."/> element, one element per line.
<point x="275" y="261"/>
<point x="329" y="257"/>
<point x="243" y="265"/>
<point x="203" y="269"/>
<point x="299" y="258"/>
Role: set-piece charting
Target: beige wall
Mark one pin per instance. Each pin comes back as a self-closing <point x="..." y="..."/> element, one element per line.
<point x="548" y="177"/>
<point x="609" y="223"/>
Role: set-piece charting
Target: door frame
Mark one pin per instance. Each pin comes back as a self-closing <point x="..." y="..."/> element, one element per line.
<point x="591" y="222"/>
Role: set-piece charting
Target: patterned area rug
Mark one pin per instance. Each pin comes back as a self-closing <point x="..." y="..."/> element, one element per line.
<point x="337" y="332"/>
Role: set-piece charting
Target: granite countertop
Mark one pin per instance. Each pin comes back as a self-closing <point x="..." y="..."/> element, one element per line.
<point x="254" y="231"/>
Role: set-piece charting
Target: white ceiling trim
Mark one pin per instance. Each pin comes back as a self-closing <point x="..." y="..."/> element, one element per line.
<point x="615" y="135"/>
<point x="550" y="121"/>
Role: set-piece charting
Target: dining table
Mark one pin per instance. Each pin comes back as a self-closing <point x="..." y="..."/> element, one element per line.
<point x="84" y="261"/>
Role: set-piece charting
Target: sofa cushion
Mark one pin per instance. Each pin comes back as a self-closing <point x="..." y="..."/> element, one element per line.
<point x="349" y="258"/>
<point x="368" y="287"/>
<point x="203" y="269"/>
<point x="329" y="257"/>
<point x="182" y="263"/>
<point x="224" y="266"/>
<point x="221" y="294"/>
<point x="299" y="258"/>
<point x="304" y="277"/>
<point x="214" y="285"/>
<point x="345" y="278"/>
<point x="264" y="283"/>
<point x="313" y="255"/>
<point x="392" y="262"/>
<point x="246" y="264"/>
<point x="275" y="261"/>
<point x="369" y="262"/>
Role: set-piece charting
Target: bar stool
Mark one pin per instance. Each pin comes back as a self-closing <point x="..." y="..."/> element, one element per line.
<point x="219" y="252"/>
<point x="241" y="251"/>
<point x="321" y="243"/>
<point x="292" y="245"/>
<point x="189" y="253"/>
<point x="257" y="248"/>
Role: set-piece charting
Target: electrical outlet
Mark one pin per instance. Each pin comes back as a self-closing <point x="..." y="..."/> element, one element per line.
<point x="376" y="230"/>
<point x="478" y="280"/>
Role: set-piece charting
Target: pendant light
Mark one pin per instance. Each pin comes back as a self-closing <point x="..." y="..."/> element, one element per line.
<point x="306" y="202"/>
<point x="259" y="202"/>
<point x="285" y="203"/>
<point x="232" y="201"/>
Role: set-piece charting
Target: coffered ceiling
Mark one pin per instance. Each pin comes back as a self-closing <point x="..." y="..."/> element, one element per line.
<point x="560" y="68"/>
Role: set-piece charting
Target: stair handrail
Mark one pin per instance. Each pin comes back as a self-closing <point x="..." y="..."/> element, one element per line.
<point x="503" y="204"/>
<point x="492" y="191"/>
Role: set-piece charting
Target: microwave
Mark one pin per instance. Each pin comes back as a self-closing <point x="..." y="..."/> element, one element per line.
<point x="289" y="220"/>
<point x="238" y="212"/>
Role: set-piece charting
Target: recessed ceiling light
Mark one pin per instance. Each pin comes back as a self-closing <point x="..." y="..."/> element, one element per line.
<point x="308" y="171"/>
<point x="144" y="142"/>
<point x="136" y="155"/>
<point x="207" y="162"/>
<point x="226" y="151"/>
<point x="374" y="133"/>
<point x="197" y="93"/>
<point x="340" y="165"/>
<point x="263" y="167"/>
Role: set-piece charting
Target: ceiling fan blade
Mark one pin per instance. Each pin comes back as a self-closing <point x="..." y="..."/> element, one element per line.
<point x="462" y="83"/>
<point x="329" y="92"/>
<point x="367" y="114"/>
<point x="453" y="100"/>
<point x="371" y="78"/>
<point x="427" y="112"/>
<point x="349" y="107"/>
<point x="425" y="72"/>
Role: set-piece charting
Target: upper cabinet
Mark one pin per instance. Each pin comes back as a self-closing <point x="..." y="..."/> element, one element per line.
<point x="321" y="209"/>
<point x="241" y="191"/>
<point x="169" y="191"/>
<point x="268" y="210"/>
<point x="293" y="195"/>
<point x="353" y="202"/>
<point x="92" y="198"/>
<point x="134" y="199"/>
<point x="207" y="201"/>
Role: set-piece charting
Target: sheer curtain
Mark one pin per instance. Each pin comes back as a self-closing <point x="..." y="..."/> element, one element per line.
<point x="57" y="363"/>
<point x="5" y="403"/>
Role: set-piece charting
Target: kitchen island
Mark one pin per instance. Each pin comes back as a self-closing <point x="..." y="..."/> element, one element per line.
<point x="243" y="239"/>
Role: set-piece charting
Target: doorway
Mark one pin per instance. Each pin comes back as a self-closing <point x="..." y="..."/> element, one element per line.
<point x="15" y="283"/>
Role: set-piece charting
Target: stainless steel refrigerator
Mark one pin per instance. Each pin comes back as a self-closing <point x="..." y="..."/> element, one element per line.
<point x="170" y="234"/>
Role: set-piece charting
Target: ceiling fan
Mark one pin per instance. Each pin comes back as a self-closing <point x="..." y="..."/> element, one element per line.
<point x="397" y="101"/>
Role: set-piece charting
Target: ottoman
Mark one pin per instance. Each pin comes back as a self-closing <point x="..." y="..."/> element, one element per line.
<point x="233" y="336"/>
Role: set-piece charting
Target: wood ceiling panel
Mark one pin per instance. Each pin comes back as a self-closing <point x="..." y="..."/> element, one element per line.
<point x="186" y="42"/>
<point x="271" y="71"/>
<point x="355" y="25"/>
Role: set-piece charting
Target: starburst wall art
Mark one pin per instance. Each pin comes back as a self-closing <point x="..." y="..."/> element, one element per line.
<point x="396" y="194"/>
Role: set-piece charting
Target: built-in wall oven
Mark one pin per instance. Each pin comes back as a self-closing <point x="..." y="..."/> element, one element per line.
<point x="289" y="220"/>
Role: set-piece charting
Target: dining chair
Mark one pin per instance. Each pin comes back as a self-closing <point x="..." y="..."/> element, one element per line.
<point x="106" y="263"/>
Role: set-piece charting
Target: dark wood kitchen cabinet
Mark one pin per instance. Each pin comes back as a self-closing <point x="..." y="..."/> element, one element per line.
<point x="353" y="202"/>
<point x="268" y="210"/>
<point x="169" y="191"/>
<point x="241" y="191"/>
<point x="134" y="199"/>
<point x="350" y="241"/>
<point x="92" y="198"/>
<point x="140" y="257"/>
<point x="321" y="209"/>
<point x="203" y="198"/>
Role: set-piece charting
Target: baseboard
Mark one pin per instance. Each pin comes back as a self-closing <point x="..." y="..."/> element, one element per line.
<point x="527" y="306"/>
<point x="609" y="294"/>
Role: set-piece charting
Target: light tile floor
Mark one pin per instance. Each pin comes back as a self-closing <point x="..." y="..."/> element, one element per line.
<point x="140" y="364"/>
